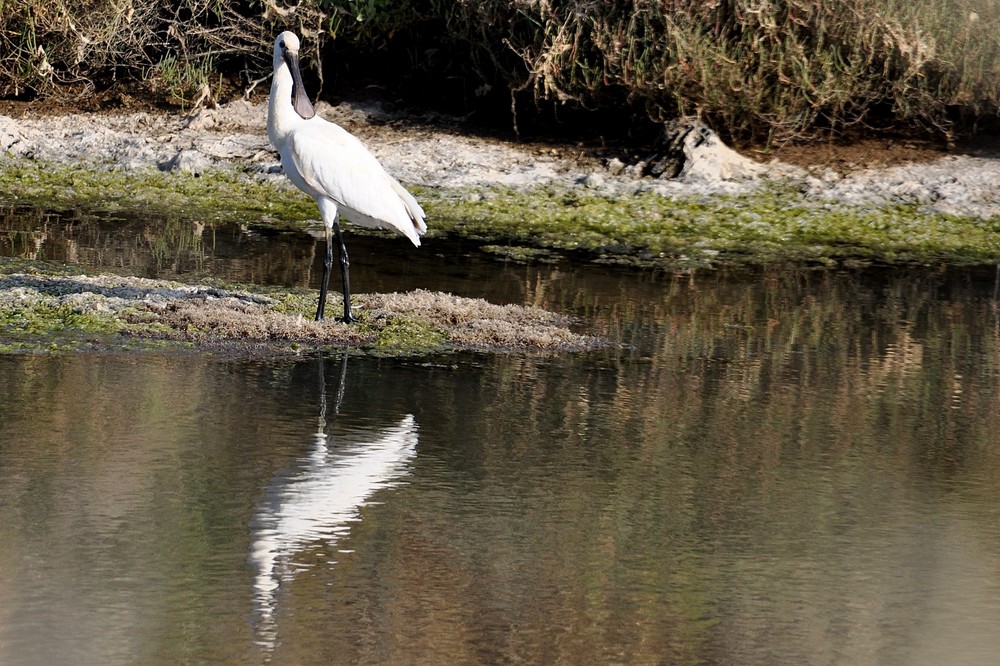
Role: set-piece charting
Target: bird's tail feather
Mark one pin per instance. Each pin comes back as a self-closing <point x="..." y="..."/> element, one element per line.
<point x="413" y="209"/>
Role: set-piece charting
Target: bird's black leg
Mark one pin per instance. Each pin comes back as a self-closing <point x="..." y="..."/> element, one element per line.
<point x="345" y="264"/>
<point x="327" y="265"/>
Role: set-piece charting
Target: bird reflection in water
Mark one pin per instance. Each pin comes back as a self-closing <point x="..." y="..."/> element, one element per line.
<point x="317" y="500"/>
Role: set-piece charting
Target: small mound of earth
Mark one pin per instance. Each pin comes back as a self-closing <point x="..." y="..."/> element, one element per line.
<point x="474" y="323"/>
<point x="207" y="315"/>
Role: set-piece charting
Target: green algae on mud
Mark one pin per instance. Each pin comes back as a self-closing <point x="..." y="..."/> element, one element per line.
<point x="775" y="223"/>
<point x="217" y="195"/>
<point x="43" y="311"/>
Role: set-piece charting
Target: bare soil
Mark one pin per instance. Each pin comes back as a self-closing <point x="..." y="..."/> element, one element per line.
<point x="843" y="155"/>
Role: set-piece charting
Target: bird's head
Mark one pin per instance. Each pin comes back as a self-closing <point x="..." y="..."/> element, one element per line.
<point x="286" y="54"/>
<point x="286" y="42"/>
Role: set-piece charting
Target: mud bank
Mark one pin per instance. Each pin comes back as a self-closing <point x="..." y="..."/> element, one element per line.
<point x="432" y="155"/>
<point x="44" y="312"/>
<point x="522" y="200"/>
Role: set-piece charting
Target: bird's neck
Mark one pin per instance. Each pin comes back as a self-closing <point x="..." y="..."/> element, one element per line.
<point x="281" y="115"/>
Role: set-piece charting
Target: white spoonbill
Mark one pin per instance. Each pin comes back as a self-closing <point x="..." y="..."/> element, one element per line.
<point x="329" y="164"/>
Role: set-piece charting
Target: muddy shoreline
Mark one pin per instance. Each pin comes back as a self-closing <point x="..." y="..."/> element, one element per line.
<point x="433" y="154"/>
<point x="866" y="203"/>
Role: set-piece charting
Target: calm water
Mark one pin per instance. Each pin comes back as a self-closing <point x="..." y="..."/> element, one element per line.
<point x="784" y="466"/>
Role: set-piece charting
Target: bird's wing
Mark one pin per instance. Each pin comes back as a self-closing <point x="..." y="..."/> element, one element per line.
<point x="335" y="164"/>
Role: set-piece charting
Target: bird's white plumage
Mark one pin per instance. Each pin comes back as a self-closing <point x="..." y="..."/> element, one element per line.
<point x="331" y="165"/>
<point x="326" y="161"/>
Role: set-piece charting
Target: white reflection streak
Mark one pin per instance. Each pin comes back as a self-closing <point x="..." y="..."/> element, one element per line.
<point x="317" y="504"/>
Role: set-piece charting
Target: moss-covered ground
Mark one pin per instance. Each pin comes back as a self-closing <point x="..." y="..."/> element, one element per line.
<point x="774" y="223"/>
<point x="46" y="308"/>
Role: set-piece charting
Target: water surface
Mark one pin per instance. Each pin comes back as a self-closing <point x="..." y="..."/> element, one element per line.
<point x="781" y="466"/>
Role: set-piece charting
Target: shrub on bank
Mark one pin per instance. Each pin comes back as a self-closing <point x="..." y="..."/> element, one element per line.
<point x="761" y="69"/>
<point x="53" y="47"/>
<point x="752" y="68"/>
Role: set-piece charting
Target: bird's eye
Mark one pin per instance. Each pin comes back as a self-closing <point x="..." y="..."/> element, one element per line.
<point x="281" y="44"/>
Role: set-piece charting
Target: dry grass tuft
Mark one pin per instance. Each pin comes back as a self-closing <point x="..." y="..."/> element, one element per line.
<point x="49" y="48"/>
<point x="233" y="318"/>
<point x="413" y="322"/>
<point x="472" y="322"/>
<point x="778" y="68"/>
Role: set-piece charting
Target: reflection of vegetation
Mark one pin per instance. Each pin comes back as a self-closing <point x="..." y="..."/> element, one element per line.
<point x="672" y="501"/>
<point x="152" y="246"/>
<point x="102" y="239"/>
<point x="767" y="456"/>
<point x="173" y="241"/>
<point x="755" y="424"/>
